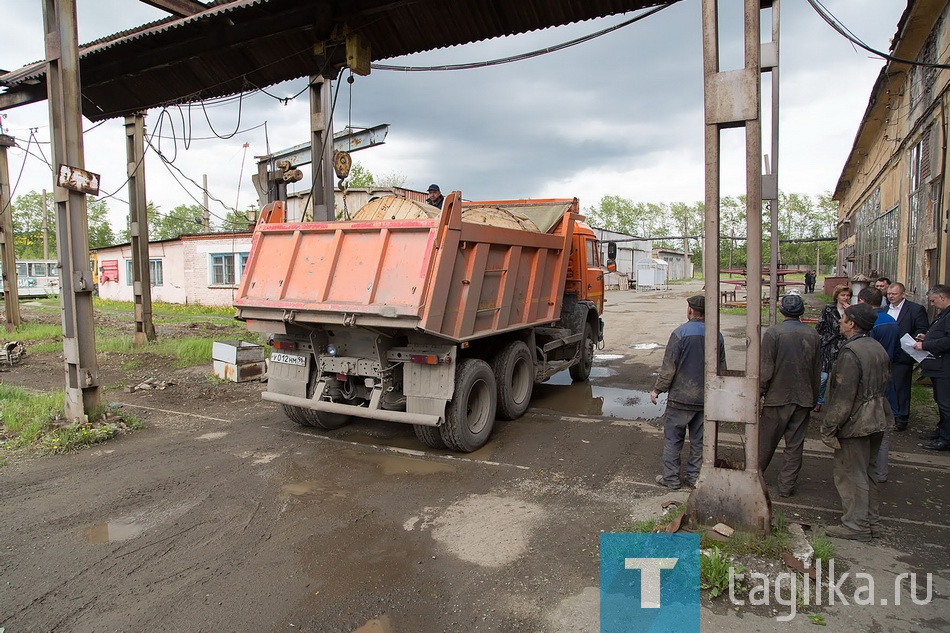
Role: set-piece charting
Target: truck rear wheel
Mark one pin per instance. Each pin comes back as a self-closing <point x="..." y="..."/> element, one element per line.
<point x="470" y="415"/>
<point x="581" y="371"/>
<point x="429" y="435"/>
<point x="514" y="376"/>
<point x="295" y="414"/>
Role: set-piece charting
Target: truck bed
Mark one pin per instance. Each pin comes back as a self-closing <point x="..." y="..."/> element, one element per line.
<point x="452" y="278"/>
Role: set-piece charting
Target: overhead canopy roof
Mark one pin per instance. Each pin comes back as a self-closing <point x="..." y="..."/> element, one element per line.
<point x="237" y="45"/>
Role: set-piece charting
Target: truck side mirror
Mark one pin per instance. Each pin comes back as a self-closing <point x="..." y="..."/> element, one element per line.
<point x="612" y="251"/>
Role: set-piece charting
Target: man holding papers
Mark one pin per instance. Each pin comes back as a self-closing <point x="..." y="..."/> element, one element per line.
<point x="937" y="367"/>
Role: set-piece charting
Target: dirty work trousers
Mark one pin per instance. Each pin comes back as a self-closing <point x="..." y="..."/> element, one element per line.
<point x="855" y="471"/>
<point x="791" y="422"/>
<point x="677" y="423"/>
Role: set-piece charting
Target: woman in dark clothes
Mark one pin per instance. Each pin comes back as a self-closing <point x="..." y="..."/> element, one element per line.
<point x="831" y="338"/>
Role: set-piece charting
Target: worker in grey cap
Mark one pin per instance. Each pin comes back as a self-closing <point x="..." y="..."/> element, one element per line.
<point x="790" y="373"/>
<point x="683" y="376"/>
<point x="435" y="197"/>
<point x="856" y="415"/>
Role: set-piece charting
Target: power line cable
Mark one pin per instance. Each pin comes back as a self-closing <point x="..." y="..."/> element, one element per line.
<point x="841" y="29"/>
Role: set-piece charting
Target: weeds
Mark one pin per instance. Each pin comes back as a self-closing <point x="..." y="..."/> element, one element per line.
<point x="34" y="421"/>
<point x="714" y="566"/>
<point x="657" y="524"/>
<point x="824" y="548"/>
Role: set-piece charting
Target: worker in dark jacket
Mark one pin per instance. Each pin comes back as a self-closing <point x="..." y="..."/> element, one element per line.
<point x="885" y="332"/>
<point x="855" y="416"/>
<point x="790" y="375"/>
<point x="435" y="197"/>
<point x="683" y="376"/>
<point x="937" y="342"/>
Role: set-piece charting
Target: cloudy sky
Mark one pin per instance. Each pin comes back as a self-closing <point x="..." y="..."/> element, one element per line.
<point x="620" y="115"/>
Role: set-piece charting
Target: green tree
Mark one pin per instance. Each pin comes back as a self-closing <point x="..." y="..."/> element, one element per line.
<point x="28" y="215"/>
<point x="100" y="230"/>
<point x="360" y="177"/>
<point x="392" y="179"/>
<point x="238" y="220"/>
<point x="151" y="215"/>
<point x="182" y="220"/>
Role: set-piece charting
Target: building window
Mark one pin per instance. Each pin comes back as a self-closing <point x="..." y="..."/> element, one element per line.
<point x="914" y="200"/>
<point x="155" y="272"/>
<point x="222" y="270"/>
<point x="876" y="238"/>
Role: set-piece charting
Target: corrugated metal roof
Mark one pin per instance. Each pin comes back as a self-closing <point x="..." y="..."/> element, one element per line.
<point x="239" y="44"/>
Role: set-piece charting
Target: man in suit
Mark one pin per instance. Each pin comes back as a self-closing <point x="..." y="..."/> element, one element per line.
<point x="911" y="319"/>
<point x="937" y="342"/>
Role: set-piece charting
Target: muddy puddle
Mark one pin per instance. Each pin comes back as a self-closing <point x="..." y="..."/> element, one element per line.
<point x="112" y="531"/>
<point x="590" y="398"/>
<point x="381" y="624"/>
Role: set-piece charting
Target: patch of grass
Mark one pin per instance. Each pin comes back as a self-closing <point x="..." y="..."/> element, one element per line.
<point x="824" y="548"/>
<point x="22" y="413"/>
<point x="817" y="618"/>
<point x="187" y="350"/>
<point x="714" y="566"/>
<point x="921" y="393"/>
<point x="657" y="524"/>
<point x="166" y="309"/>
<point x="745" y="543"/>
<point x="34" y="421"/>
<point x="132" y="364"/>
<point x="28" y="332"/>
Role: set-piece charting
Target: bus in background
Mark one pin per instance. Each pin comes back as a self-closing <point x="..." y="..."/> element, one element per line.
<point x="36" y="278"/>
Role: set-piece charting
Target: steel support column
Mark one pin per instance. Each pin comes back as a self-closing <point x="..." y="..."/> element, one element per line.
<point x="138" y="229"/>
<point x="321" y="133"/>
<point x="72" y="230"/>
<point x="732" y="100"/>
<point x="770" y="57"/>
<point x="11" y="300"/>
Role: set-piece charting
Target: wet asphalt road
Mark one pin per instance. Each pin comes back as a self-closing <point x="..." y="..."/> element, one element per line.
<point x="237" y="520"/>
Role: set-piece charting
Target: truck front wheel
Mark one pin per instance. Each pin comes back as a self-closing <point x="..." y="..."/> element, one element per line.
<point x="514" y="375"/>
<point x="581" y="370"/>
<point x="470" y="415"/>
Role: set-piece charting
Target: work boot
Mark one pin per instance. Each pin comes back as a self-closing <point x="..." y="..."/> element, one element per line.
<point x="929" y="435"/>
<point x="843" y="531"/>
<point x="666" y="484"/>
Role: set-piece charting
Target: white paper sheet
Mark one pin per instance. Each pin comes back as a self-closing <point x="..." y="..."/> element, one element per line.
<point x="907" y="344"/>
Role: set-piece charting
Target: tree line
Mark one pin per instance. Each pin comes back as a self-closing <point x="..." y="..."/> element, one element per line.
<point x="29" y="212"/>
<point x="802" y="218"/>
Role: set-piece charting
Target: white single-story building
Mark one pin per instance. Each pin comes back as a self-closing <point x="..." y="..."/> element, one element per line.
<point x="204" y="269"/>
<point x="630" y="251"/>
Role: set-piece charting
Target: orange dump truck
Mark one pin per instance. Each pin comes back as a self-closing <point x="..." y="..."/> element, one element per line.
<point x="443" y="320"/>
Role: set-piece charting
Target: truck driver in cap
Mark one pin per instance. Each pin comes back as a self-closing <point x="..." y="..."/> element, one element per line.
<point x="435" y="197"/>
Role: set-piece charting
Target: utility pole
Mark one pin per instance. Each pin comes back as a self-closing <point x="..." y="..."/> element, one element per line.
<point x="72" y="229"/>
<point x="141" y="274"/>
<point x="204" y="188"/>
<point x="11" y="299"/>
<point x="45" y="227"/>
<point x="321" y="135"/>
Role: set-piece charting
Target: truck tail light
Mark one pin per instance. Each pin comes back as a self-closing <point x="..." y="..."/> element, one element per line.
<point x="279" y="344"/>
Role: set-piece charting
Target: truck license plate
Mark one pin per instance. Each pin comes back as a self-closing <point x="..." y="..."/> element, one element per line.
<point x="288" y="359"/>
